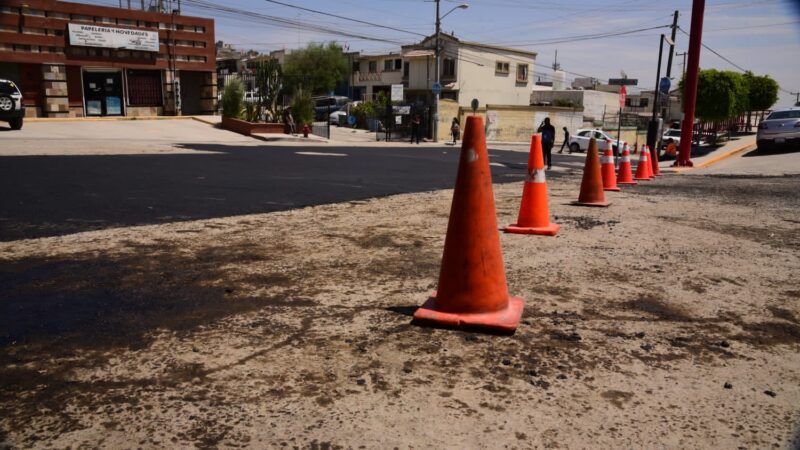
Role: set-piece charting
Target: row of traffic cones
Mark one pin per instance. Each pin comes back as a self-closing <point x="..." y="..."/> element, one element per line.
<point x="472" y="290"/>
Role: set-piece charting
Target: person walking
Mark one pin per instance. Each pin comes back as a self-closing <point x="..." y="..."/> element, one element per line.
<point x="455" y="129"/>
<point x="415" y="121"/>
<point x="548" y="139"/>
<point x="566" y="142"/>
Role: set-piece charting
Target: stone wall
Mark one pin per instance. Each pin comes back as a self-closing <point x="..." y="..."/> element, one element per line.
<point x="55" y="101"/>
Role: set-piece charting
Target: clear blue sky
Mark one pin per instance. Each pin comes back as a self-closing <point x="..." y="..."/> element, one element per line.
<point x="759" y="35"/>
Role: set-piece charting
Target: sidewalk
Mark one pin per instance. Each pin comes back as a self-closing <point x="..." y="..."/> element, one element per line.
<point x="733" y="147"/>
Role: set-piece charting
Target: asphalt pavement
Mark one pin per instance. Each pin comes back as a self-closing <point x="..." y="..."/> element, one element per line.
<point x="54" y="194"/>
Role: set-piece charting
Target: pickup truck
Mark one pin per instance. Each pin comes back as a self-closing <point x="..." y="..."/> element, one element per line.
<point x="579" y="142"/>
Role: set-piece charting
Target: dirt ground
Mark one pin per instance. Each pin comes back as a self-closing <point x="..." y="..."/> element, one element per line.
<point x="668" y="320"/>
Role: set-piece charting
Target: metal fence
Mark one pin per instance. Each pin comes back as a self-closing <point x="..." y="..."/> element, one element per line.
<point x="321" y="129"/>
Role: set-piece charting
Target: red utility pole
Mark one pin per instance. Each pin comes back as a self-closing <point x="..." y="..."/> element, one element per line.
<point x="692" y="74"/>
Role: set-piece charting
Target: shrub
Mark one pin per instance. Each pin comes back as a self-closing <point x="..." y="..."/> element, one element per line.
<point x="233" y="99"/>
<point x="302" y="107"/>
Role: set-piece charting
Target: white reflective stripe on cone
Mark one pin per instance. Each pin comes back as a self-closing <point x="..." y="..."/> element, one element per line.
<point x="535" y="176"/>
<point x="625" y="159"/>
<point x="606" y="160"/>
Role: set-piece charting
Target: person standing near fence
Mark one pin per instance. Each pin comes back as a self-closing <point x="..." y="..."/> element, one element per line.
<point x="415" y="121"/>
<point x="288" y="120"/>
<point x="566" y="142"/>
<point x="548" y="140"/>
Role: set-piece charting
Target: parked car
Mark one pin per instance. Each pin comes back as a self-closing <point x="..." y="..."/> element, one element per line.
<point x="11" y="109"/>
<point x="325" y="105"/>
<point x="338" y="118"/>
<point x="673" y="134"/>
<point x="579" y="141"/>
<point x="780" y="129"/>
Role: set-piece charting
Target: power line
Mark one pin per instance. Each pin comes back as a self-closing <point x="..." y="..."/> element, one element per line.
<point x="343" y="17"/>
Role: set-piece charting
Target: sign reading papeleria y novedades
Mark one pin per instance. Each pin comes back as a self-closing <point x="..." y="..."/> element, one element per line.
<point x="108" y="37"/>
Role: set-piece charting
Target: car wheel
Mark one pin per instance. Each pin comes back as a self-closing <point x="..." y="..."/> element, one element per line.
<point x="15" y="123"/>
<point x="574" y="147"/>
<point x="6" y="103"/>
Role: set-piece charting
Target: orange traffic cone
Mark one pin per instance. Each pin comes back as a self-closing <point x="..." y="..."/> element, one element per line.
<point x="625" y="175"/>
<point x="534" y="214"/>
<point x="649" y="159"/>
<point x="472" y="283"/>
<point x="642" y="172"/>
<point x="607" y="169"/>
<point x="592" y="184"/>
<point x="655" y="171"/>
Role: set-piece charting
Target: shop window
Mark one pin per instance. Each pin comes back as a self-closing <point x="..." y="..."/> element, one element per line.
<point x="144" y="88"/>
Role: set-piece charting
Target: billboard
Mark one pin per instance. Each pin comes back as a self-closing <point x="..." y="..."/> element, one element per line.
<point x="116" y="38"/>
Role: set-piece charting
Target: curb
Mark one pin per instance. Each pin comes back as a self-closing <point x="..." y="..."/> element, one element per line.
<point x="114" y="119"/>
<point x="711" y="161"/>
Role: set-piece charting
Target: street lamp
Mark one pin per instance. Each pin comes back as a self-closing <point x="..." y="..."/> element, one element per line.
<point x="438" y="70"/>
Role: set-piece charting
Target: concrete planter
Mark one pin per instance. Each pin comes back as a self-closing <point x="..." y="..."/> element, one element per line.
<point x="248" y="128"/>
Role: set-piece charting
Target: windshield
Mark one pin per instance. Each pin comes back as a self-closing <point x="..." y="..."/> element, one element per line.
<point x="7" y="88"/>
<point x="676" y="133"/>
<point x="794" y="114"/>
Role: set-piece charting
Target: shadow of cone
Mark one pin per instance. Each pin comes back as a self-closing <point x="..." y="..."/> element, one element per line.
<point x="592" y="184"/>
<point x="625" y="176"/>
<point x="607" y="169"/>
<point x="534" y="212"/>
<point x="472" y="289"/>
<point x="642" y="167"/>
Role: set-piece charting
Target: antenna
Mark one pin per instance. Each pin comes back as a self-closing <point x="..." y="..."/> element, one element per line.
<point x="556" y="65"/>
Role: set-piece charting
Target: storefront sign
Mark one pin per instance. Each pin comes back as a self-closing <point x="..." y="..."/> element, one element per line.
<point x="117" y="38"/>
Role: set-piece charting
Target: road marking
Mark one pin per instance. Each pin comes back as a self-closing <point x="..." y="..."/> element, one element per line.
<point x="319" y="154"/>
<point x="497" y="164"/>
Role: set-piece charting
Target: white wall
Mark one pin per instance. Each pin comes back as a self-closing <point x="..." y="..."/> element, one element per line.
<point x="475" y="71"/>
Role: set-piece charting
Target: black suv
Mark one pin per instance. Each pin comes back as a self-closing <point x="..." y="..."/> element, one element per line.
<point x="11" y="109"/>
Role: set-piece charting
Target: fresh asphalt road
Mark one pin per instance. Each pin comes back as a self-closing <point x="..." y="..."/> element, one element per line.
<point x="54" y="194"/>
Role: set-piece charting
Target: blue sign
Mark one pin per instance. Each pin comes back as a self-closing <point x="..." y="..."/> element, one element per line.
<point x="664" y="85"/>
<point x="436" y="88"/>
<point x="351" y="120"/>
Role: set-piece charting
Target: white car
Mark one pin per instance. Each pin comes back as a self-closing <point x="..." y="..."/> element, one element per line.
<point x="673" y="134"/>
<point x="579" y="142"/>
<point x="337" y="118"/>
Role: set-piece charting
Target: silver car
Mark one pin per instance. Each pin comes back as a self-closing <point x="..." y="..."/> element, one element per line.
<point x="781" y="129"/>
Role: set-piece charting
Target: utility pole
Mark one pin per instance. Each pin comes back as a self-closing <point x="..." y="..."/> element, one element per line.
<point x="683" y="67"/>
<point x="690" y="87"/>
<point x="797" y="98"/>
<point x="436" y="78"/>
<point x="666" y="108"/>
<point x="653" y="128"/>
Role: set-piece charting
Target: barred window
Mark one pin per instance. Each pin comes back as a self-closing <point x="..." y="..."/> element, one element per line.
<point x="144" y="88"/>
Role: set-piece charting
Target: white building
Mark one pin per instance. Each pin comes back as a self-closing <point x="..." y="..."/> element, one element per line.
<point x="372" y="74"/>
<point x="493" y="75"/>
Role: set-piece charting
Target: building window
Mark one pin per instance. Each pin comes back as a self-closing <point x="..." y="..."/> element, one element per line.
<point x="356" y="66"/>
<point x="406" y="70"/>
<point x="388" y="65"/>
<point x="643" y="101"/>
<point x="450" y="95"/>
<point x="144" y="88"/>
<point x="373" y="66"/>
<point x="522" y="73"/>
<point x="501" y="67"/>
<point x="398" y="64"/>
<point x="449" y="68"/>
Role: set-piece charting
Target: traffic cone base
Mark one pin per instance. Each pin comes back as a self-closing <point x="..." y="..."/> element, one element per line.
<point x="504" y="321"/>
<point x="613" y="189"/>
<point x="628" y="183"/>
<point x="549" y="230"/>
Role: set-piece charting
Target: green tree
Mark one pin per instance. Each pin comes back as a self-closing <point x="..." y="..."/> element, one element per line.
<point x="317" y="68"/>
<point x="269" y="81"/>
<point x="233" y="98"/>
<point x="720" y="95"/>
<point x="302" y="108"/>
<point x="762" y="93"/>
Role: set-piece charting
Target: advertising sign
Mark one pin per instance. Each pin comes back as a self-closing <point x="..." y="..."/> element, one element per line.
<point x="622" y="94"/>
<point x="108" y="37"/>
<point x="397" y="92"/>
